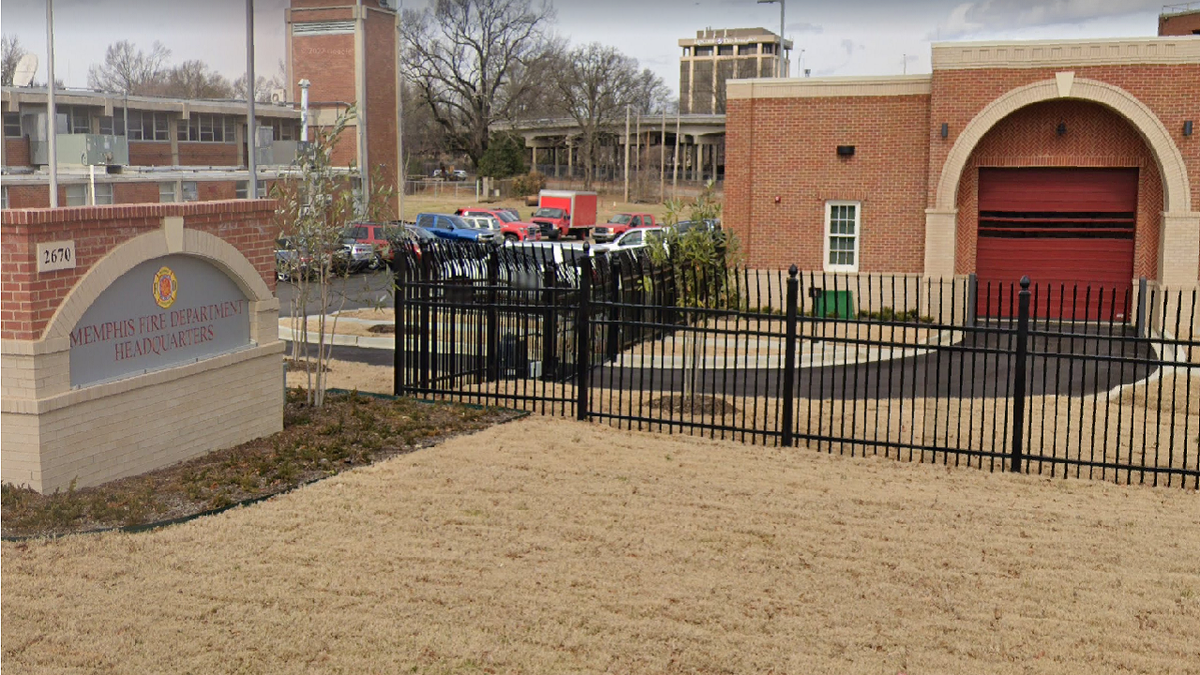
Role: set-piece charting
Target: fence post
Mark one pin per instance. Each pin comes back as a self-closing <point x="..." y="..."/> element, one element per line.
<point x="1018" y="428"/>
<point x="549" y="323"/>
<point x="789" y="359"/>
<point x="426" y="296"/>
<point x="971" y="311"/>
<point x="583" y="336"/>
<point x="614" y="311"/>
<point x="493" y="318"/>
<point x="400" y="290"/>
<point x="1141" y="308"/>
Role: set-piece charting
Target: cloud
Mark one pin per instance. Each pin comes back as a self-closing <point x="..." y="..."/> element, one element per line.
<point x="1000" y="15"/>
<point x="804" y="27"/>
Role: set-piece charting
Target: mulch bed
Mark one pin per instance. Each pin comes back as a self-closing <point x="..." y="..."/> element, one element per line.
<point x="300" y="365"/>
<point x="350" y="430"/>
<point x="388" y="328"/>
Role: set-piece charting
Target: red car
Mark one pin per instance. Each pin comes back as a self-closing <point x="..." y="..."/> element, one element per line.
<point x="376" y="235"/>
<point x="511" y="227"/>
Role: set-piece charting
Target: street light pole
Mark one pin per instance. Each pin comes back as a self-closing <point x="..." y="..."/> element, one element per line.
<point x="779" y="54"/>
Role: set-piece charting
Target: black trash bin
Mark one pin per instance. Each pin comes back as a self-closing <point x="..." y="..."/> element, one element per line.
<point x="514" y="356"/>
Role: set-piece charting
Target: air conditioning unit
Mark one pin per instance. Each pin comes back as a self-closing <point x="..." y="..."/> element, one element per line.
<point x="279" y="95"/>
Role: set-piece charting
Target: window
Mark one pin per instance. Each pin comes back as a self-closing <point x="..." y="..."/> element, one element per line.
<point x="149" y="126"/>
<point x="284" y="130"/>
<point x="166" y="192"/>
<point x="207" y="128"/>
<point x="190" y="191"/>
<point x="4" y="197"/>
<point x="76" y="195"/>
<point x="748" y="49"/>
<point x="104" y="193"/>
<point x="79" y="121"/>
<point x="12" y="125"/>
<point x="704" y="51"/>
<point x="113" y="125"/>
<point x="841" y="236"/>
<point x="725" y="50"/>
<point x="241" y="189"/>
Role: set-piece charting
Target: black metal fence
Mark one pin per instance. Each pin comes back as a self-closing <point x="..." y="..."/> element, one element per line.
<point x="893" y="365"/>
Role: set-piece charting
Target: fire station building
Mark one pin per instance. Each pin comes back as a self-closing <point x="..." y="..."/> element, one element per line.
<point x="1073" y="162"/>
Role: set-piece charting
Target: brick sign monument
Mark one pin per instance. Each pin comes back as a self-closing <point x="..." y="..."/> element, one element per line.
<point x="134" y="337"/>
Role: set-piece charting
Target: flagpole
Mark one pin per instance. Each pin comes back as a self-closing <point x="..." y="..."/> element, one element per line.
<point x="252" y="141"/>
<point x="51" y="109"/>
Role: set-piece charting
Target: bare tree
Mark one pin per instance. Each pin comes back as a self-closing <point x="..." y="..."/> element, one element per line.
<point x="651" y="96"/>
<point x="194" y="79"/>
<point x="596" y="83"/>
<point x="130" y="70"/>
<point x="263" y="86"/>
<point x="465" y="58"/>
<point x="12" y="53"/>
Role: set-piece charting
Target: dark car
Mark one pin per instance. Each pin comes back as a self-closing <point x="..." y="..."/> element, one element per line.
<point x="293" y="261"/>
<point x="410" y="240"/>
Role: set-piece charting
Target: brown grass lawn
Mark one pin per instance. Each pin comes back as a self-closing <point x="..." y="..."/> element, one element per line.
<point x="550" y="546"/>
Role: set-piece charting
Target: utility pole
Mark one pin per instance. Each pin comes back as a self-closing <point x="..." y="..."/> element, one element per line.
<point x="779" y="54"/>
<point x="675" y="160"/>
<point x="51" y="109"/>
<point x="662" y="160"/>
<point x="401" y="169"/>
<point x="626" y="154"/>
<point x="252" y="130"/>
<point x="637" y="150"/>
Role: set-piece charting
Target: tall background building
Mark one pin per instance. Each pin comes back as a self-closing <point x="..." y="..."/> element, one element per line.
<point x="715" y="56"/>
<point x="348" y="53"/>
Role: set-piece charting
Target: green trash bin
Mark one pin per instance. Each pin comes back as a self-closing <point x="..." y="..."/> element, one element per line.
<point x="836" y="305"/>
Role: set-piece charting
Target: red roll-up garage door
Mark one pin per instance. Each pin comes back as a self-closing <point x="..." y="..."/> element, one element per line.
<point x="1070" y="230"/>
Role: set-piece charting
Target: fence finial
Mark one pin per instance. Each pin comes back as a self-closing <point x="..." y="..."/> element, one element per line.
<point x="1025" y="283"/>
<point x="793" y="270"/>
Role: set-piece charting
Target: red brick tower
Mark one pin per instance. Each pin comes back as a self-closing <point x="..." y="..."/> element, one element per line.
<point x="347" y="50"/>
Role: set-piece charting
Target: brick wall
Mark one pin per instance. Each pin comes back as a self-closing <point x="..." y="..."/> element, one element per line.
<point x="786" y="148"/>
<point x="381" y="97"/>
<point x="135" y="193"/>
<point x="150" y="153"/>
<point x="1169" y="91"/>
<point x="16" y="151"/>
<point x="1187" y="23"/>
<point x="29" y="299"/>
<point x="1096" y="137"/>
<point x="146" y="427"/>
<point x="328" y="62"/>
<point x="208" y="154"/>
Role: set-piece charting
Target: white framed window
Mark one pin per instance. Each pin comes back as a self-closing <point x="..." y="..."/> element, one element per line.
<point x="76" y="195"/>
<point x="104" y="193"/>
<point x="842" y="227"/>
<point x="241" y="191"/>
<point x="4" y="197"/>
<point x="149" y="126"/>
<point x="166" y="192"/>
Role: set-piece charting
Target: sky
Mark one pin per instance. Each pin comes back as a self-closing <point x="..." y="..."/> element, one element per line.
<point x="852" y="37"/>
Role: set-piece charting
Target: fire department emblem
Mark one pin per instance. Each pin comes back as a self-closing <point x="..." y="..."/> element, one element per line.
<point x="166" y="287"/>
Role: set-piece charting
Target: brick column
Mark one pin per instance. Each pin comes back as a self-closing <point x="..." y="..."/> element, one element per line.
<point x="940" y="226"/>
<point x="1179" y="252"/>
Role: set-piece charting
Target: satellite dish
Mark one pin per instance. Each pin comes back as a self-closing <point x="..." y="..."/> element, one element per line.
<point x="26" y="68"/>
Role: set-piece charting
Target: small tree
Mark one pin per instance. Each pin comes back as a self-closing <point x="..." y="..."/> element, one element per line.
<point x="503" y="158"/>
<point x="313" y="211"/>
<point x="701" y="260"/>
